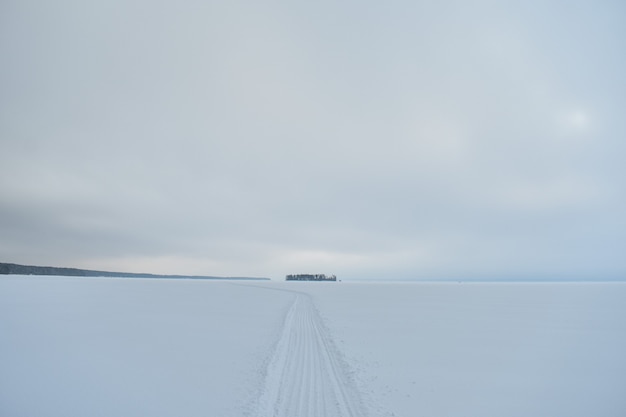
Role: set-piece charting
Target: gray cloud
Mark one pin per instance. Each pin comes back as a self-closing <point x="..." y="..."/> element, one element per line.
<point x="404" y="139"/>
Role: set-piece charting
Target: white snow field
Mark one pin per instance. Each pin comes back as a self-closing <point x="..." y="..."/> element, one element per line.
<point x="159" y="347"/>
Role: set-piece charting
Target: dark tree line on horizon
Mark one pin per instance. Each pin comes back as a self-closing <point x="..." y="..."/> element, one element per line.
<point x="16" y="269"/>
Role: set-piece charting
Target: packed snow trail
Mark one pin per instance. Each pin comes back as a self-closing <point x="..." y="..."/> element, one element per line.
<point x="305" y="377"/>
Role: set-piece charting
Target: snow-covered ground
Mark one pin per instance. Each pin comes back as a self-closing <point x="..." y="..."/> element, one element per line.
<point x="157" y="347"/>
<point x="133" y="347"/>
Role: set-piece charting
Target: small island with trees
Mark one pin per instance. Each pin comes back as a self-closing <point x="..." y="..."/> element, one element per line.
<point x="310" y="277"/>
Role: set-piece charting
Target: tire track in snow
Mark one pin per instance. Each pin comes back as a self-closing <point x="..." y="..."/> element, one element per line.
<point x="305" y="377"/>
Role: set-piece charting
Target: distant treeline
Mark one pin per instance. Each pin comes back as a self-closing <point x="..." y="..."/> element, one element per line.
<point x="15" y="269"/>
<point x="311" y="277"/>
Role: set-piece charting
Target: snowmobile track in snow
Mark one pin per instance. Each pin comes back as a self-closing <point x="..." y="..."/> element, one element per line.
<point x="305" y="377"/>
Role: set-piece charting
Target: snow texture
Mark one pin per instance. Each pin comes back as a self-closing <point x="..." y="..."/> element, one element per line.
<point x="137" y="347"/>
<point x="306" y="377"/>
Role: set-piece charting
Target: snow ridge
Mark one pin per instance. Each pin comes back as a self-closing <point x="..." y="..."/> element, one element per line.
<point x="305" y="376"/>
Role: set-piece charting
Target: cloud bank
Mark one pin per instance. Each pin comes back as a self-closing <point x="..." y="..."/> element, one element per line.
<point x="397" y="140"/>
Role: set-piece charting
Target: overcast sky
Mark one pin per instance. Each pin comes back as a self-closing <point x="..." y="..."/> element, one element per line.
<point x="369" y="139"/>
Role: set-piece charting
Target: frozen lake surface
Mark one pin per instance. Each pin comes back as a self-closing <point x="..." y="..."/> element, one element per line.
<point x="158" y="347"/>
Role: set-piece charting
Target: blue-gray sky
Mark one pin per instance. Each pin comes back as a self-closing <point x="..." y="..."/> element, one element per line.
<point x="400" y="139"/>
